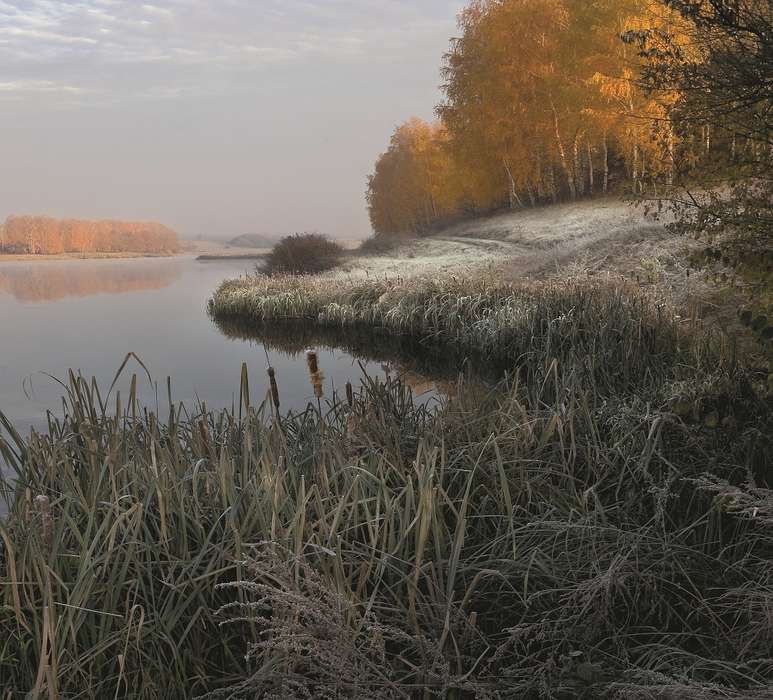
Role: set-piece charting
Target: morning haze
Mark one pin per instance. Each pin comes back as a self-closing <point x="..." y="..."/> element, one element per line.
<point x="214" y="117"/>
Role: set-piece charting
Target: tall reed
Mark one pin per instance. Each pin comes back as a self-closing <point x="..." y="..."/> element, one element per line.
<point x="528" y="541"/>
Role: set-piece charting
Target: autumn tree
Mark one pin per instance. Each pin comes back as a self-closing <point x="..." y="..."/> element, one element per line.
<point x="541" y="90"/>
<point x="41" y="235"/>
<point x="543" y="102"/>
<point x="722" y="74"/>
<point x="411" y="187"/>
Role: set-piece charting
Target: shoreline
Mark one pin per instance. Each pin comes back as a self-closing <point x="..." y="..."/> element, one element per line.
<point x="26" y="257"/>
<point x="214" y="257"/>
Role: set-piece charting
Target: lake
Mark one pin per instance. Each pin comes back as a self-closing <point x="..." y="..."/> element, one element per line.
<point x="88" y="314"/>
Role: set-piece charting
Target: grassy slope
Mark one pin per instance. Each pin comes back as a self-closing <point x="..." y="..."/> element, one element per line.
<point x="604" y="232"/>
<point x="597" y="526"/>
<point x="626" y="354"/>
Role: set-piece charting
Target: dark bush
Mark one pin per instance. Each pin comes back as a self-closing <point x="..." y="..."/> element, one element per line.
<point x="303" y="254"/>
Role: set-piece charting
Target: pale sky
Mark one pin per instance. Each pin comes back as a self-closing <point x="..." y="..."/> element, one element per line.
<point x="215" y="117"/>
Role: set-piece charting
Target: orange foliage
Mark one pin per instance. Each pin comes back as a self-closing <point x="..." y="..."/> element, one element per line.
<point x="414" y="185"/>
<point x="542" y="103"/>
<point x="42" y="235"/>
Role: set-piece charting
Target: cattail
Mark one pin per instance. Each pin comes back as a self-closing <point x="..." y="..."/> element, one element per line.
<point x="349" y="394"/>
<point x="312" y="361"/>
<point x="44" y="505"/>
<point x="203" y="432"/>
<point x="274" y="387"/>
<point x="315" y="375"/>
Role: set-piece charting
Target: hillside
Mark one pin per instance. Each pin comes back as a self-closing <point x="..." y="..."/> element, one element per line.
<point x="588" y="238"/>
<point x="252" y="240"/>
<point x="600" y="233"/>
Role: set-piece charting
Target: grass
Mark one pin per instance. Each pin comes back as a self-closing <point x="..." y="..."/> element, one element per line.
<point x="598" y="525"/>
<point x="611" y="333"/>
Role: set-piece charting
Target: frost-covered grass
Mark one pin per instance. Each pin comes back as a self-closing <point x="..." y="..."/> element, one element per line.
<point x="571" y="533"/>
<point x="597" y="525"/>
<point x="612" y="333"/>
<point x="529" y="242"/>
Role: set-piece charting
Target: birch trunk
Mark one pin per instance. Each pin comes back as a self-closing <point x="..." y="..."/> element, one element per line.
<point x="530" y="192"/>
<point x="562" y="156"/>
<point x="591" y="183"/>
<point x="514" y="198"/>
<point x="553" y="189"/>
<point x="605" y="149"/>
<point x="579" y="180"/>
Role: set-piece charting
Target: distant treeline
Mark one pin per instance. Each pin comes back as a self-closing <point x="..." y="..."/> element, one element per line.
<point x="42" y="235"/>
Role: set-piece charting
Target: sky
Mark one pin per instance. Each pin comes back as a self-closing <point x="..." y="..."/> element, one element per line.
<point x="215" y="117"/>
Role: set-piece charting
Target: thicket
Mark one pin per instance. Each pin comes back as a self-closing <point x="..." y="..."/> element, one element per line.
<point x="722" y="189"/>
<point x="301" y="254"/>
<point x="541" y="103"/>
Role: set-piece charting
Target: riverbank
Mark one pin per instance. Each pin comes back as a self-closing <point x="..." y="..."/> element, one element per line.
<point x="596" y="522"/>
<point x="604" y="503"/>
<point x="602" y="237"/>
<point x="209" y="257"/>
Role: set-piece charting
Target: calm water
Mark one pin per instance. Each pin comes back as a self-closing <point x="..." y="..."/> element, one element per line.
<point x="86" y="315"/>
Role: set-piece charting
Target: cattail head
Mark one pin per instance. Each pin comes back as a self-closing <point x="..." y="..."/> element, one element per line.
<point x="349" y="394"/>
<point x="274" y="387"/>
<point x="44" y="506"/>
<point x="317" y="378"/>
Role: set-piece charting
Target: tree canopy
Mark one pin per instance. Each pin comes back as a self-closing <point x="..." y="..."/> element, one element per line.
<point x="542" y="103"/>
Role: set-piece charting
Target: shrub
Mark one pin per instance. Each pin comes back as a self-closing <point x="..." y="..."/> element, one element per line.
<point x="303" y="254"/>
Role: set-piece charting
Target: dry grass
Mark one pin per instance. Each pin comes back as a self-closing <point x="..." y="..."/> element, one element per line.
<point x="589" y="324"/>
<point x="597" y="526"/>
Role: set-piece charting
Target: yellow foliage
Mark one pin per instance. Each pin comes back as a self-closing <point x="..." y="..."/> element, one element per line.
<point x="541" y="103"/>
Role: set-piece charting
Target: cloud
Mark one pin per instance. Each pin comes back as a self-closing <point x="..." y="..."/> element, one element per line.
<point x="45" y="36"/>
<point x="197" y="46"/>
<point x="156" y="10"/>
<point x="38" y="86"/>
<point x="212" y="28"/>
<point x="19" y="88"/>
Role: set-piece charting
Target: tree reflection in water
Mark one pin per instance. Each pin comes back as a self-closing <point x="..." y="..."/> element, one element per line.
<point x="38" y="282"/>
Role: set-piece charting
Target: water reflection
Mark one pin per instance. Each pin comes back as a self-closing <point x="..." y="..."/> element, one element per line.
<point x="422" y="367"/>
<point x="41" y="282"/>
